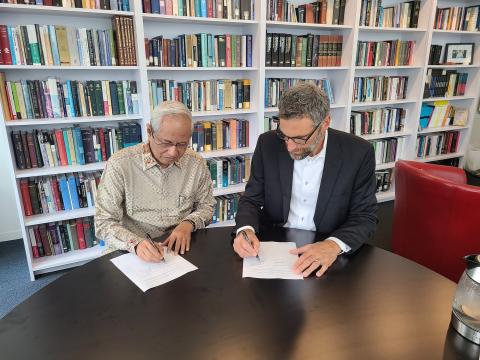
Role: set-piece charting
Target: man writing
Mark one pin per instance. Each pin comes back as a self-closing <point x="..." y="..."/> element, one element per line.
<point x="154" y="187"/>
<point x="307" y="176"/>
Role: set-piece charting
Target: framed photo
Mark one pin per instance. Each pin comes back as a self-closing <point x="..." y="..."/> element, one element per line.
<point x="459" y="53"/>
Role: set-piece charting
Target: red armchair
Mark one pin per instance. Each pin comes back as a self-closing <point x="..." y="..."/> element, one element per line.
<point x="436" y="217"/>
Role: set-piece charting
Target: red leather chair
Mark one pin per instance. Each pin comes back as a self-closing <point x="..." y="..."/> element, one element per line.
<point x="436" y="217"/>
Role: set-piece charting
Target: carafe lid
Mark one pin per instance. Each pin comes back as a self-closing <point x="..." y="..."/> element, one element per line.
<point x="473" y="267"/>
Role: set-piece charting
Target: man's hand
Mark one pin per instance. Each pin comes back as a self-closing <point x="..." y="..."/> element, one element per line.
<point x="245" y="248"/>
<point x="148" y="252"/>
<point x="180" y="238"/>
<point x="321" y="255"/>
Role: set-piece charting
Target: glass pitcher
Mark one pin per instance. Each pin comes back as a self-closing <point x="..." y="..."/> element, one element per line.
<point x="466" y="305"/>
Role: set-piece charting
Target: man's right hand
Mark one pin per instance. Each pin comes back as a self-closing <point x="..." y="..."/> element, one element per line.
<point x="246" y="248"/>
<point x="148" y="252"/>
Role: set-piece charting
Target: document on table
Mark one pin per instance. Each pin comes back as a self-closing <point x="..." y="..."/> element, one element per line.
<point x="276" y="262"/>
<point x="147" y="275"/>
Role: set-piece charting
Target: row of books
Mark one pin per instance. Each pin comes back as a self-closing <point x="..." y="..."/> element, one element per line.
<point x="269" y="123"/>
<point x="57" y="45"/>
<point x="441" y="113"/>
<point x="52" y="98"/>
<point x="377" y="121"/>
<point x="437" y="144"/>
<point x="51" y="194"/>
<point x="309" y="50"/>
<point x="402" y="15"/>
<point x="314" y="12"/>
<point x="221" y="9"/>
<point x="384" y="180"/>
<point x="379" y="88"/>
<point x="220" y="135"/>
<point x="443" y="82"/>
<point x="71" y="146"/>
<point x="117" y="5"/>
<point x="62" y="236"/>
<point x="385" y="53"/>
<point x="200" y="50"/>
<point x="202" y="95"/>
<point x="225" y="208"/>
<point x="458" y="18"/>
<point x="274" y="89"/>
<point x="124" y="32"/>
<point x="229" y="171"/>
<point x="388" y="150"/>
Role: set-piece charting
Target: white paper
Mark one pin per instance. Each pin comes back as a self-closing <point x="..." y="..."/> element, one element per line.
<point x="276" y="262"/>
<point x="147" y="275"/>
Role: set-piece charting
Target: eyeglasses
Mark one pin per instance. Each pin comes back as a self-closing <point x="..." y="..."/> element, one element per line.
<point x="181" y="146"/>
<point x="299" y="140"/>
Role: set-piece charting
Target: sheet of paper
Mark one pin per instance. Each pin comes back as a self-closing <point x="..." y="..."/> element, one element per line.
<point x="148" y="275"/>
<point x="275" y="262"/>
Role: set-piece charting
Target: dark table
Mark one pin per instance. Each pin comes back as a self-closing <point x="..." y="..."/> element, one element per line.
<point x="372" y="305"/>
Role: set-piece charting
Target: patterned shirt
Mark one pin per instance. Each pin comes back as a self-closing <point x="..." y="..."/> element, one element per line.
<point x="137" y="196"/>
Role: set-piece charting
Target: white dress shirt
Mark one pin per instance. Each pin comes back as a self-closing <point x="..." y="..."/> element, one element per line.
<point x="307" y="177"/>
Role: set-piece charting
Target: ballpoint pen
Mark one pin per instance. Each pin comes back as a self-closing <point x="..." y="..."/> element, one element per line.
<point x="248" y="240"/>
<point x="151" y="242"/>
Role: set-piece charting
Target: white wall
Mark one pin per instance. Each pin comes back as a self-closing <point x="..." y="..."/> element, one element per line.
<point x="475" y="138"/>
<point x="9" y="223"/>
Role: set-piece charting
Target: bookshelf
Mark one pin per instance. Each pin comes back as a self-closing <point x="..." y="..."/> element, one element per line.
<point x="341" y="79"/>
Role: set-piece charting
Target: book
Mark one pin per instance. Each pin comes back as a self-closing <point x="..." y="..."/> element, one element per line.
<point x="48" y="98"/>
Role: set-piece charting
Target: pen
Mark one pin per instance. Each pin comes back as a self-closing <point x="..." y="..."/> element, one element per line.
<point x="151" y="242"/>
<point x="246" y="238"/>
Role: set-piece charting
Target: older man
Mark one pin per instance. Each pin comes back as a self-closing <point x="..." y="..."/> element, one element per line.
<point x="154" y="187"/>
<point x="307" y="176"/>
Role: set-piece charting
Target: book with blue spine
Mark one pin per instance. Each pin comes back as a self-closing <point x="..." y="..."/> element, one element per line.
<point x="79" y="150"/>
<point x="72" y="190"/>
<point x="12" y="45"/>
<point x="63" y="185"/>
<point x="54" y="45"/>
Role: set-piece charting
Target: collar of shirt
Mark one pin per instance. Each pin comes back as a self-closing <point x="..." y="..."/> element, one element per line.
<point x="149" y="161"/>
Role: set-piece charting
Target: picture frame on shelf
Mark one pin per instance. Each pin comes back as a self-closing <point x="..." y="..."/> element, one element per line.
<point x="459" y="53"/>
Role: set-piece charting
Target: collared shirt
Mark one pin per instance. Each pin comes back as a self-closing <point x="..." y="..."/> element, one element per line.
<point x="306" y="180"/>
<point x="136" y="196"/>
<point x="307" y="177"/>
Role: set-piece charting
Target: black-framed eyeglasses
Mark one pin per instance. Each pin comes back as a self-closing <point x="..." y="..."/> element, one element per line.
<point x="299" y="140"/>
<point x="181" y="146"/>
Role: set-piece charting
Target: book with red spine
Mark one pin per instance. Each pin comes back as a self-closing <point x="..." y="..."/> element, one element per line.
<point x="56" y="194"/>
<point x="61" y="147"/>
<point x="228" y="53"/>
<point x="80" y="235"/>
<point x="103" y="146"/>
<point x="27" y="203"/>
<point x="33" y="243"/>
<point x="5" y="46"/>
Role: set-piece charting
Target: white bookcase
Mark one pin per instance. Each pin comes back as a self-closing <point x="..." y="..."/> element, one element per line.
<point x="150" y="25"/>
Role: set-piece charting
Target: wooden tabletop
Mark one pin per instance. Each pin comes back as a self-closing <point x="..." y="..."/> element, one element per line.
<point x="371" y="305"/>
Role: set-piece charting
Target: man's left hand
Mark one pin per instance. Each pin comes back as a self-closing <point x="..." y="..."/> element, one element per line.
<point x="179" y="239"/>
<point x="321" y="255"/>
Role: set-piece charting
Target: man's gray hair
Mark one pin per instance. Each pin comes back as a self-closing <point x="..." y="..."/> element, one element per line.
<point x="304" y="100"/>
<point x="168" y="108"/>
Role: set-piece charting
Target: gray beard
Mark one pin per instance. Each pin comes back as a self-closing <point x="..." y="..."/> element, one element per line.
<point x="307" y="151"/>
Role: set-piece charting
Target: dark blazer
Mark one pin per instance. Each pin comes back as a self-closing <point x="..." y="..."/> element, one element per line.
<point x="346" y="204"/>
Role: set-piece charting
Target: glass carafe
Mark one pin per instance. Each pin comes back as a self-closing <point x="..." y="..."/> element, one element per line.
<point x="466" y="305"/>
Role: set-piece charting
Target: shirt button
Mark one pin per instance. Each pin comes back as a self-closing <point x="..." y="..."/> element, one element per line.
<point x="306" y="182"/>
<point x="304" y="200"/>
<point x="302" y="218"/>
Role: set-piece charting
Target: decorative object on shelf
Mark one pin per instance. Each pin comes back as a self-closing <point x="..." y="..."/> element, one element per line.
<point x="459" y="53"/>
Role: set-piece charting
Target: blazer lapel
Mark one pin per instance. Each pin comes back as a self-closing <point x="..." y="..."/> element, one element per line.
<point x="331" y="170"/>
<point x="285" y="165"/>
